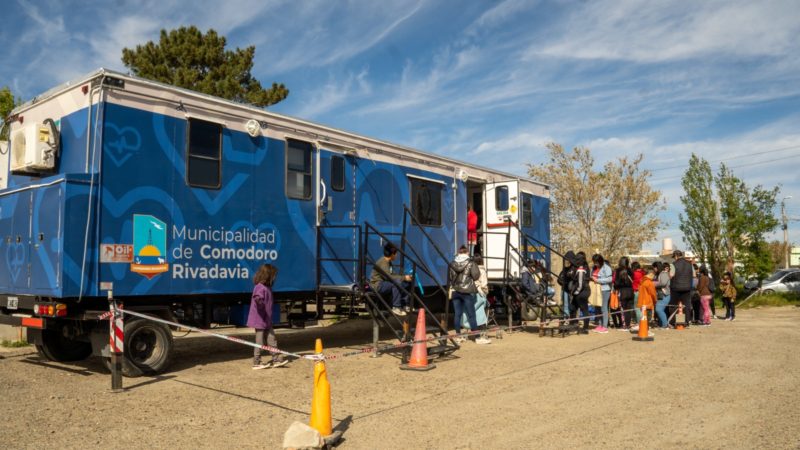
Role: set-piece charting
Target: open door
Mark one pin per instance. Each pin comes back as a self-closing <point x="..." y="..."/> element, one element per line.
<point x="501" y="207"/>
<point x="338" y="236"/>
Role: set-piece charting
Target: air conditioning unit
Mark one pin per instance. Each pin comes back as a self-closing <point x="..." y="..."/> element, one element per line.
<point x="33" y="148"/>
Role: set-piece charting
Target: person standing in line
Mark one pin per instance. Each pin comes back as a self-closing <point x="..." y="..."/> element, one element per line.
<point x="579" y="291"/>
<point x="662" y="281"/>
<point x="482" y="283"/>
<point x="463" y="275"/>
<point x="602" y="275"/>
<point x="564" y="279"/>
<point x="647" y="295"/>
<point x="705" y="295"/>
<point x="697" y="311"/>
<point x="384" y="282"/>
<point x="681" y="285"/>
<point x="623" y="283"/>
<point x="260" y="316"/>
<point x="638" y="274"/>
<point x="728" y="296"/>
<point x="472" y="230"/>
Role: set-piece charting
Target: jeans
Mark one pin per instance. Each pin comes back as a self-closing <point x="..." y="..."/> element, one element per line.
<point x="271" y="341"/>
<point x="464" y="303"/>
<point x="606" y="298"/>
<point x="565" y="302"/>
<point x="399" y="298"/>
<point x="661" y="311"/>
<point x="730" y="307"/>
<point x="638" y="311"/>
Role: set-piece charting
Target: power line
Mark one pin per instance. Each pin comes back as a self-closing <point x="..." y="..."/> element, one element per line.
<point x="729" y="158"/>
<point x="731" y="167"/>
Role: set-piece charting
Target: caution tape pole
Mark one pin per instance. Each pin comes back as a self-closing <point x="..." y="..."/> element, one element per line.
<point x="116" y="343"/>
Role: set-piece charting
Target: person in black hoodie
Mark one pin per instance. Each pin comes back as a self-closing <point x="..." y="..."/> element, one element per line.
<point x="579" y="290"/>
<point x="623" y="283"/>
<point x="681" y="285"/>
<point x="564" y="278"/>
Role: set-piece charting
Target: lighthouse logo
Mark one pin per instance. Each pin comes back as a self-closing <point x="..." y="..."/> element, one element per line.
<point x="149" y="246"/>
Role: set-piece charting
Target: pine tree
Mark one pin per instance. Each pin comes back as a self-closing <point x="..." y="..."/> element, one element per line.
<point x="189" y="59"/>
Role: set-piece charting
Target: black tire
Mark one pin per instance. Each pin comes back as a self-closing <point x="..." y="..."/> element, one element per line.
<point x="767" y="291"/>
<point x="56" y="346"/>
<point x="148" y="348"/>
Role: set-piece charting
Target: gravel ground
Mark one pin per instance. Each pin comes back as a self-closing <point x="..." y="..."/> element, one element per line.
<point x="732" y="385"/>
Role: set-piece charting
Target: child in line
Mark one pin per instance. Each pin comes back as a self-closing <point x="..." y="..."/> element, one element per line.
<point x="728" y="296"/>
<point x="260" y="316"/>
<point x="647" y="294"/>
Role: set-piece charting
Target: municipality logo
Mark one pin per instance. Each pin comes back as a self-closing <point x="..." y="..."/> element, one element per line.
<point x="149" y="246"/>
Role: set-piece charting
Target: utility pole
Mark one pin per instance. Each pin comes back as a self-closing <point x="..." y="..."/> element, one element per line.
<point x="785" y="232"/>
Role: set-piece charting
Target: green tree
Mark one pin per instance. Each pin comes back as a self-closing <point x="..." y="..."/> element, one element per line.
<point x="189" y="59"/>
<point x="7" y="103"/>
<point x="613" y="210"/>
<point x="700" y="220"/>
<point x="747" y="216"/>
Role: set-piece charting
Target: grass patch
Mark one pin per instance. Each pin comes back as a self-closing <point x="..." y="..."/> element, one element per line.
<point x="13" y="344"/>
<point x="777" y="299"/>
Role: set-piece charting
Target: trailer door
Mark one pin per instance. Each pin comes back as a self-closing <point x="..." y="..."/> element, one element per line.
<point x="502" y="207"/>
<point x="338" y="236"/>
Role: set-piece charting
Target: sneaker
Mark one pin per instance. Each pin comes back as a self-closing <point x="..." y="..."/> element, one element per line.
<point x="732" y="319"/>
<point x="483" y="341"/>
<point x="551" y="303"/>
<point x="650" y="334"/>
<point x="601" y="330"/>
<point x="407" y="309"/>
<point x="262" y="366"/>
<point x="398" y="312"/>
<point x="280" y="363"/>
<point x="583" y="331"/>
<point x="634" y="328"/>
<point x="461" y="340"/>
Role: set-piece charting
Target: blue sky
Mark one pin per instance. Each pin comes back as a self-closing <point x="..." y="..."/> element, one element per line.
<point x="489" y="82"/>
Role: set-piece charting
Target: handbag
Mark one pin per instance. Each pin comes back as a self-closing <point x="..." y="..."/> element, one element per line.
<point x="613" y="302"/>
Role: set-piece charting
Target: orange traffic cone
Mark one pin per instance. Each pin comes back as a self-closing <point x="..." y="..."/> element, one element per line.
<point x="643" y="328"/>
<point x="419" y="352"/>
<point x="321" y="399"/>
<point x="680" y="318"/>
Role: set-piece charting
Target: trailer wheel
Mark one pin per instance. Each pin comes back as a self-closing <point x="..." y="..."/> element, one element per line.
<point x="148" y="348"/>
<point x="56" y="346"/>
<point x="529" y="311"/>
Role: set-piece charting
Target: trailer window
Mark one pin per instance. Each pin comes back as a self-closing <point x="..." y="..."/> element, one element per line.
<point x="337" y="173"/>
<point x="426" y="202"/>
<point x="298" y="169"/>
<point x="204" y="154"/>
<point x="501" y="198"/>
<point x="527" y="210"/>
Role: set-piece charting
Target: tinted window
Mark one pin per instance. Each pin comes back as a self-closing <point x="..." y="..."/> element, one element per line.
<point x="204" y="154"/>
<point x="792" y="277"/>
<point x="426" y="202"/>
<point x="501" y="198"/>
<point x="527" y="210"/>
<point x="298" y="169"/>
<point x="337" y="173"/>
<point x="776" y="276"/>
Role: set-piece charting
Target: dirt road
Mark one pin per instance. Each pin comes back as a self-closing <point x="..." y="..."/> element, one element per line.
<point x="732" y="385"/>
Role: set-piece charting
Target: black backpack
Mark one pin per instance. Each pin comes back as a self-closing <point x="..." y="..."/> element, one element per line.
<point x="711" y="286"/>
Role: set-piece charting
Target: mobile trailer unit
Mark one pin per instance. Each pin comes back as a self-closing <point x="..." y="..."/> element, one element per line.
<point x="172" y="199"/>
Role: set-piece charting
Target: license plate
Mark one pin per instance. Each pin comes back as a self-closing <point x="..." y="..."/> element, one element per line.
<point x="13" y="303"/>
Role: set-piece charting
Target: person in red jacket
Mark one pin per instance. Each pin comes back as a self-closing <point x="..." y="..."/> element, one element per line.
<point x="638" y="274"/>
<point x="472" y="230"/>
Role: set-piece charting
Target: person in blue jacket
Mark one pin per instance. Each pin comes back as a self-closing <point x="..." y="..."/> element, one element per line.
<point x="603" y="276"/>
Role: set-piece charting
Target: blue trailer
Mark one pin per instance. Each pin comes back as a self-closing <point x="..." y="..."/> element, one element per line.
<point x="170" y="200"/>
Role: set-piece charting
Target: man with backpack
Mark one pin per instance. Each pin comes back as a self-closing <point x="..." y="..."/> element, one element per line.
<point x="463" y="274"/>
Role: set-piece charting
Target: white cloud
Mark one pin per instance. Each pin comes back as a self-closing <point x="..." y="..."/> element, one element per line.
<point x="644" y="31"/>
<point x="333" y="94"/>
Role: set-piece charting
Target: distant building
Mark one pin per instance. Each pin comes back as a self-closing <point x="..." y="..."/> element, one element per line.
<point x="794" y="257"/>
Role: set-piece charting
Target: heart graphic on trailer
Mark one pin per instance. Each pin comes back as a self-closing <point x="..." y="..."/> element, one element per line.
<point x="15" y="259"/>
<point x="121" y="143"/>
